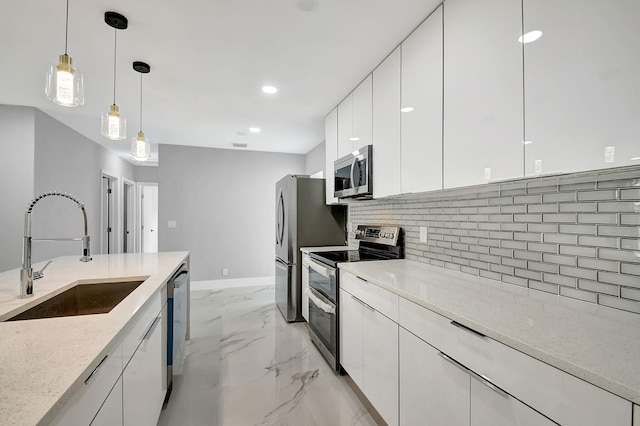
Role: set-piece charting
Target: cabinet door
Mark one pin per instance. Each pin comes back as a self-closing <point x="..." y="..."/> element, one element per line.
<point x="386" y="126"/>
<point x="421" y="112"/>
<point x="110" y="413"/>
<point x="362" y="115"/>
<point x="345" y="126"/>
<point x="380" y="362"/>
<point x="581" y="85"/>
<point x="483" y="129"/>
<point x="489" y="407"/>
<point x="331" y="153"/>
<point x="351" y="337"/>
<point x="430" y="387"/>
<point x="143" y="392"/>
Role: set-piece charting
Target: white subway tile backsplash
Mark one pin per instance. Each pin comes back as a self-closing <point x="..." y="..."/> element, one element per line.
<point x="577" y="235"/>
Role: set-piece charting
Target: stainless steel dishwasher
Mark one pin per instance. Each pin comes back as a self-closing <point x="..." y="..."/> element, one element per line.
<point x="177" y="319"/>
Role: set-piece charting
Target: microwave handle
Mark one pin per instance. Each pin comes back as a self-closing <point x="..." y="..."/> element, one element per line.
<point x="353" y="165"/>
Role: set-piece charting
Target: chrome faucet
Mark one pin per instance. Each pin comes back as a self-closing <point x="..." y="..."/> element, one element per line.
<point x="26" y="272"/>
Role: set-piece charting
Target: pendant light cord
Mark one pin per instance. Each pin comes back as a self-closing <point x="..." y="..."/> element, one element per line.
<point x="115" y="58"/>
<point x="140" y="101"/>
<point x="66" y="29"/>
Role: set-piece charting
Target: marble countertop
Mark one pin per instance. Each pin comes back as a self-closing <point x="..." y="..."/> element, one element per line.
<point x="43" y="361"/>
<point x="598" y="344"/>
<point x="307" y="250"/>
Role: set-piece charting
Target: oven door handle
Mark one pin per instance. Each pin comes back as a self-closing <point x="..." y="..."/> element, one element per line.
<point x="321" y="302"/>
<point x="322" y="270"/>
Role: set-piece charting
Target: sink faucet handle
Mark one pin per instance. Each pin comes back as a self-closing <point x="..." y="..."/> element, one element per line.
<point x="40" y="274"/>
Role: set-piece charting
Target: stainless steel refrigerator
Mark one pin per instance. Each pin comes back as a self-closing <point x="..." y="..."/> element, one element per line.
<point x="302" y="220"/>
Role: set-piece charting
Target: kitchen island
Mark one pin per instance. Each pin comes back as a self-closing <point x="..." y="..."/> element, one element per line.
<point x="44" y="362"/>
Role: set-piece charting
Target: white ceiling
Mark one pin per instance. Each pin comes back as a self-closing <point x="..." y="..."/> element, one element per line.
<point x="209" y="59"/>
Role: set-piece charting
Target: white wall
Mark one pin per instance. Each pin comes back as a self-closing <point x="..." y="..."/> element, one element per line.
<point x="223" y="202"/>
<point x="314" y="160"/>
<point x="16" y="180"/>
<point x="146" y="174"/>
<point x="40" y="154"/>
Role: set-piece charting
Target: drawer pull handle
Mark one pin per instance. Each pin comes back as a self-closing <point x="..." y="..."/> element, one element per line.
<point x="96" y="369"/>
<point x="480" y="377"/>
<point x="464" y="327"/>
<point x="363" y="303"/>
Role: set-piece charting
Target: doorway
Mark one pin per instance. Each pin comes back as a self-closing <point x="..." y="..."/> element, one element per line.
<point x="128" y="216"/>
<point x="149" y="217"/>
<point x="108" y="216"/>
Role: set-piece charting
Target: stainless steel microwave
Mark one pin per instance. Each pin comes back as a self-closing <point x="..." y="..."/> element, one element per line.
<point x="353" y="174"/>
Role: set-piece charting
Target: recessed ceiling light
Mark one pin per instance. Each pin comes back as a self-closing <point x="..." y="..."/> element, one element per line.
<point x="406" y="109"/>
<point x="269" y="90"/>
<point x="530" y="36"/>
<point x="254" y="129"/>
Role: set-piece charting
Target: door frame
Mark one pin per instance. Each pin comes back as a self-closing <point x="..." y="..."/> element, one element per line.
<point x="116" y="224"/>
<point x="132" y="214"/>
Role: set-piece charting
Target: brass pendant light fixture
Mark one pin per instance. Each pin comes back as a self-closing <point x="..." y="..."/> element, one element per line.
<point x="114" y="124"/>
<point x="140" y="147"/>
<point x="64" y="84"/>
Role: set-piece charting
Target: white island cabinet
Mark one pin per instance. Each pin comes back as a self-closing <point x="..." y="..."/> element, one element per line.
<point x="110" y="413"/>
<point x="483" y="126"/>
<point x="369" y="342"/>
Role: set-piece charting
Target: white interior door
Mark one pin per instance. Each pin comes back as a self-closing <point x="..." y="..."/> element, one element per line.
<point x="149" y="218"/>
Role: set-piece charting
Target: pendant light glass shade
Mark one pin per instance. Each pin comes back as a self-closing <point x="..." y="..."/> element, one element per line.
<point x="114" y="125"/>
<point x="64" y="84"/>
<point x="140" y="148"/>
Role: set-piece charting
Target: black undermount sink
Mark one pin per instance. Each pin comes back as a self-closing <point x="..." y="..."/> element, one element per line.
<point x="82" y="299"/>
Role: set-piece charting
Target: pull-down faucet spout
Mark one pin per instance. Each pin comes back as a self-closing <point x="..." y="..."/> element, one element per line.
<point x="26" y="272"/>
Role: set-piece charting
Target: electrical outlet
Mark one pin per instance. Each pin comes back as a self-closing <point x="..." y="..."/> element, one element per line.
<point x="538" y="166"/>
<point x="171" y="224"/>
<point x="423" y="234"/>
<point x="610" y="154"/>
<point x="487" y="173"/>
<point x="225" y="272"/>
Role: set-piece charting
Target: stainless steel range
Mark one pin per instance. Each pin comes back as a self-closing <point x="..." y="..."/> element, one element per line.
<point x="376" y="243"/>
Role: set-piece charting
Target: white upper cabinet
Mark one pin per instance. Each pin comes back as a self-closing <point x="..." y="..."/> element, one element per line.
<point x="483" y="129"/>
<point x="355" y="119"/>
<point x="331" y="153"/>
<point x="421" y="106"/>
<point x="386" y="126"/>
<point x="582" y="85"/>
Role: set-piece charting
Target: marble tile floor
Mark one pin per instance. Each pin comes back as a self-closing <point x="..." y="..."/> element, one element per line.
<point x="244" y="365"/>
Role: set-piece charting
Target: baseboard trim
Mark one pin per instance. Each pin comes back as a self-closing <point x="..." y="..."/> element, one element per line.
<point x="232" y="283"/>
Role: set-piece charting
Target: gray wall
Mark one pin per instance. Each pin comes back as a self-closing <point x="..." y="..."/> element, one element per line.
<point x="576" y="235"/>
<point x="16" y="179"/>
<point x="40" y="154"/>
<point x="314" y="160"/>
<point x="223" y="202"/>
<point x="146" y="174"/>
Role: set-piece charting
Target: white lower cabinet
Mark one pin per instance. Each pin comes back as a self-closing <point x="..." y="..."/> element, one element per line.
<point x="110" y="413"/>
<point x="143" y="392"/>
<point x="431" y="389"/>
<point x="369" y="351"/>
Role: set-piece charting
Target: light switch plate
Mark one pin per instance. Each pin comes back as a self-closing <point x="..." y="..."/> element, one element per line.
<point x="423" y="234"/>
<point x="225" y="272"/>
<point x="171" y="224"/>
<point x="610" y="154"/>
<point x="538" y="166"/>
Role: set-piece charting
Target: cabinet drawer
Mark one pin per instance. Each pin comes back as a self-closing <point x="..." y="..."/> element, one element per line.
<point x="377" y="297"/>
<point x="558" y="395"/>
<point x="98" y="382"/>
<point x="136" y="331"/>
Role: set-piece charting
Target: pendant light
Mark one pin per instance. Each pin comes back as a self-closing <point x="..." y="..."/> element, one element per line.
<point x="140" y="147"/>
<point x="64" y="83"/>
<point x="114" y="125"/>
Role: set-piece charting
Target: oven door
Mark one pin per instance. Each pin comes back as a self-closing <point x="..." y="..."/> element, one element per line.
<point x="323" y="324"/>
<point x="323" y="279"/>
